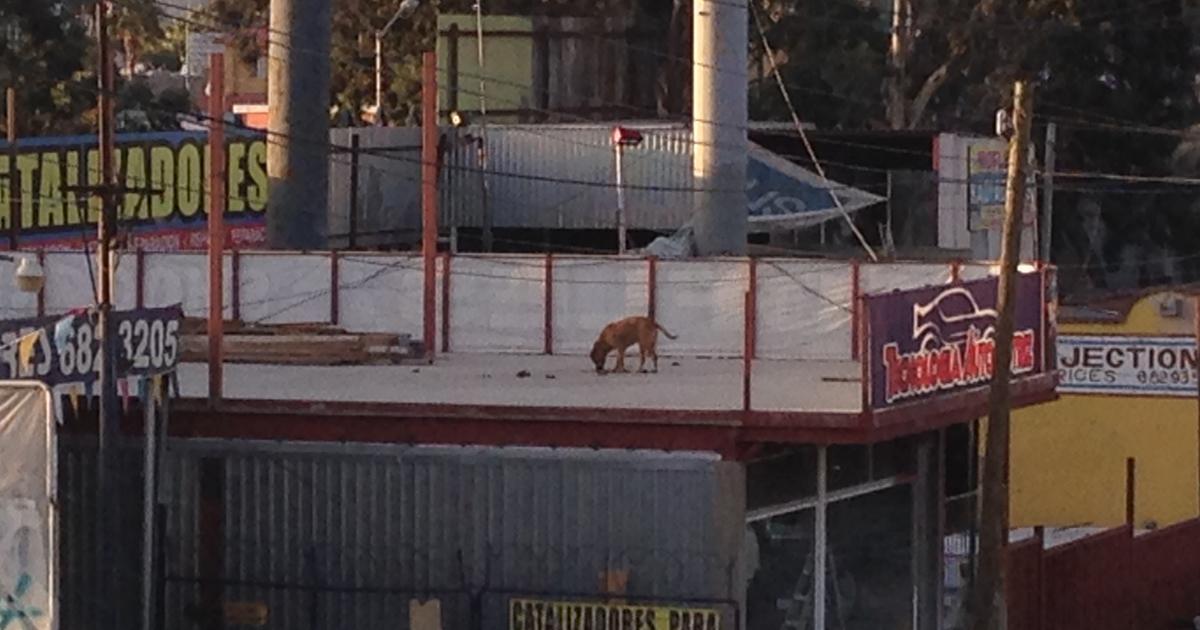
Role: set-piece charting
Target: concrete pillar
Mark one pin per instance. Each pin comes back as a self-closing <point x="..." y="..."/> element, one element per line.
<point x="298" y="124"/>
<point x="719" y="116"/>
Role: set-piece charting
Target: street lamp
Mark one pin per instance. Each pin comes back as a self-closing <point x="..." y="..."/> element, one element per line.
<point x="622" y="137"/>
<point x="406" y="9"/>
<point x="29" y="275"/>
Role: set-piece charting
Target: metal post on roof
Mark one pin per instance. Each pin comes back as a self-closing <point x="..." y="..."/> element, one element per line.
<point x="429" y="191"/>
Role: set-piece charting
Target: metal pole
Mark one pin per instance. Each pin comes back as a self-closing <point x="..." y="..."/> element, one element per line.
<point x="620" y="203"/>
<point x="378" y="78"/>
<point x="1047" y="233"/>
<point x="149" y="479"/>
<point x="988" y="600"/>
<point x="14" y="179"/>
<point x="483" y="146"/>
<point x="298" y="80"/>
<point x="719" y="114"/>
<point x="216" y="228"/>
<point x="109" y="420"/>
<point x="821" y="540"/>
<point x="429" y="191"/>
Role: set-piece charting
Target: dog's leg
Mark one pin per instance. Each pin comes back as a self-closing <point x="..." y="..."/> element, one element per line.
<point x="642" y="357"/>
<point x="621" y="360"/>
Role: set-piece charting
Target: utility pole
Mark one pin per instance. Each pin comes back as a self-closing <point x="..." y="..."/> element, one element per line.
<point x="719" y="114"/>
<point x="14" y="179"/>
<point x="109" y="421"/>
<point x="216" y="228"/>
<point x="988" y="595"/>
<point x="1047" y="232"/>
<point x="298" y="124"/>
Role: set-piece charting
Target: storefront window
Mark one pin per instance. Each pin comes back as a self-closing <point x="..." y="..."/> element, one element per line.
<point x="869" y="546"/>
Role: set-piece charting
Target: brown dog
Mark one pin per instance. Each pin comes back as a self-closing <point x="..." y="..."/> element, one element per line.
<point x="621" y="334"/>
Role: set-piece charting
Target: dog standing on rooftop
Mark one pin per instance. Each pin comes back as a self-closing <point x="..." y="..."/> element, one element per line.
<point x="621" y="334"/>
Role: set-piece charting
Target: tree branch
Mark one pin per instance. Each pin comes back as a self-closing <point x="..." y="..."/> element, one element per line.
<point x="932" y="84"/>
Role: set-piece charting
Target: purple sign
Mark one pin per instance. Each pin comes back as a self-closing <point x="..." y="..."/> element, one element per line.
<point x="941" y="338"/>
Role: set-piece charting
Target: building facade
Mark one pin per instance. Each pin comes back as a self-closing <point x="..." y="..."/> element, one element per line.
<point x="1127" y="390"/>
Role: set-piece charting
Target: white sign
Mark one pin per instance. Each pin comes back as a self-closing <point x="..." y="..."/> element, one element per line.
<point x="1137" y="366"/>
<point x="199" y="47"/>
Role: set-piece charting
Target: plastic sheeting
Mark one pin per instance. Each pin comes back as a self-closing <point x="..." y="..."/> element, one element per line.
<point x="806" y="309"/>
<point x="498" y="303"/>
<point x="589" y="293"/>
<point x="27" y="472"/>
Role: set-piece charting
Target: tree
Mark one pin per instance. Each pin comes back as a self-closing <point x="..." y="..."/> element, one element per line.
<point x="43" y="53"/>
<point x="830" y="54"/>
<point x="135" y="22"/>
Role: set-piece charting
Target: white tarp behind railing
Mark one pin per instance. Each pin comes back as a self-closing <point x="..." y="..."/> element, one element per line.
<point x="803" y="309"/>
<point x="27" y="513"/>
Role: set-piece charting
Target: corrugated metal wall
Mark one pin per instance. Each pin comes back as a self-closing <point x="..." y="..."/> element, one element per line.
<point x="563" y="176"/>
<point x="343" y="536"/>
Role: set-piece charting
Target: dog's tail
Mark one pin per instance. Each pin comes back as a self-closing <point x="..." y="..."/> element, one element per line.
<point x="665" y="331"/>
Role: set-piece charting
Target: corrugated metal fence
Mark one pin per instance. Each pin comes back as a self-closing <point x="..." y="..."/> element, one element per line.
<point x="1111" y="580"/>
<point x="343" y="536"/>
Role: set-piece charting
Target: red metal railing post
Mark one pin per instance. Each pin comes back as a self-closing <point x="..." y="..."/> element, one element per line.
<point x="429" y="188"/>
<point x="334" y="296"/>
<point x="855" y="309"/>
<point x="548" y="324"/>
<point x="652" y="288"/>
<point x="446" y="302"/>
<point x="752" y="311"/>
<point x="747" y="351"/>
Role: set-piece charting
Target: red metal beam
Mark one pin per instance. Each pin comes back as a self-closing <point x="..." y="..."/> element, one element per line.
<point x="548" y="324"/>
<point x="733" y="434"/>
<point x="336" y="427"/>
<point x="429" y="189"/>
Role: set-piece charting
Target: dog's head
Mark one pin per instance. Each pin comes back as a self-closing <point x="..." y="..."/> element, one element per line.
<point x="599" y="354"/>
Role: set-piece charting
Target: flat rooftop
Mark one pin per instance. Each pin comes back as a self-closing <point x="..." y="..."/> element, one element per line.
<point x="549" y="381"/>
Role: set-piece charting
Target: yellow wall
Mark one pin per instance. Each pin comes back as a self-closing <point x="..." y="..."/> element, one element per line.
<point x="1068" y="456"/>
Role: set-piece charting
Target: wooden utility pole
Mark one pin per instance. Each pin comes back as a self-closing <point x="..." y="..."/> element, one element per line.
<point x="216" y="227"/>
<point x="987" y="597"/>
<point x="109" y="421"/>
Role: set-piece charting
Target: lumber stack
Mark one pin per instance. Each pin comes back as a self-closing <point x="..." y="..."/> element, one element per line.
<point x="298" y="344"/>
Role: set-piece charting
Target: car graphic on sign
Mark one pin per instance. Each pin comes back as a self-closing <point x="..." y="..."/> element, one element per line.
<point x="947" y="318"/>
